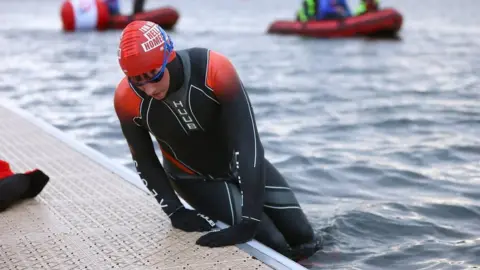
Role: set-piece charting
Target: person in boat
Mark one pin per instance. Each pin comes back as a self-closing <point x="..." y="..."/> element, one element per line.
<point x="308" y="11"/>
<point x="316" y="10"/>
<point x="194" y="104"/>
<point x="366" y="6"/>
<point x="114" y="6"/>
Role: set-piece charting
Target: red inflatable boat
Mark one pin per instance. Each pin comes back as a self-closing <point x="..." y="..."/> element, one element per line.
<point x="166" y="17"/>
<point x="383" y="23"/>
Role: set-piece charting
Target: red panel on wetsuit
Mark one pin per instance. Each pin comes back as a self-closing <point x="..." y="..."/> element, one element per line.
<point x="174" y="161"/>
<point x="126" y="102"/>
<point x="222" y="77"/>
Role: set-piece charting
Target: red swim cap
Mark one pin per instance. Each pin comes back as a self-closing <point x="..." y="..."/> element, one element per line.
<point x="144" y="46"/>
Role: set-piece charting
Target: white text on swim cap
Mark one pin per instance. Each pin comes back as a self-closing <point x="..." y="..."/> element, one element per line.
<point x="155" y="40"/>
<point x="147" y="27"/>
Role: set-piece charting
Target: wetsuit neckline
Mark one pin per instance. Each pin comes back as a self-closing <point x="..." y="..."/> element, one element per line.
<point x="180" y="75"/>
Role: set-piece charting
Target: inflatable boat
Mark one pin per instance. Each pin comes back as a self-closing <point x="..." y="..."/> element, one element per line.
<point x="383" y="23"/>
<point x="166" y="17"/>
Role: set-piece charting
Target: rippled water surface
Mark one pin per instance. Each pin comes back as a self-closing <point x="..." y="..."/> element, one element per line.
<point x="379" y="139"/>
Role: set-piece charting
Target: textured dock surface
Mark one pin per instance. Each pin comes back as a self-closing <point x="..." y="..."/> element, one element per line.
<point x="88" y="217"/>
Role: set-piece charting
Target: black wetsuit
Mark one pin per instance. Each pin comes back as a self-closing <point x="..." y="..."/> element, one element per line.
<point x="213" y="156"/>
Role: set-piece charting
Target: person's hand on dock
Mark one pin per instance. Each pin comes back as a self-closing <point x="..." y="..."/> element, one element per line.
<point x="236" y="234"/>
<point x="191" y="221"/>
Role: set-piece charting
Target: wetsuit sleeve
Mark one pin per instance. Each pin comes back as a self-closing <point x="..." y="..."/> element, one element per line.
<point x="127" y="107"/>
<point x="241" y="132"/>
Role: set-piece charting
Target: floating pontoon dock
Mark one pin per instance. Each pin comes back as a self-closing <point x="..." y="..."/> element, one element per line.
<point x="95" y="214"/>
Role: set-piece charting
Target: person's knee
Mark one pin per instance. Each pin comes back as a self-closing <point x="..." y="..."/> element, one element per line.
<point x="273" y="240"/>
<point x="304" y="233"/>
<point x="269" y="235"/>
<point x="293" y="224"/>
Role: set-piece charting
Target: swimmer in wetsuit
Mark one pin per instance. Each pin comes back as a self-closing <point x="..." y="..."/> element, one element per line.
<point x="194" y="103"/>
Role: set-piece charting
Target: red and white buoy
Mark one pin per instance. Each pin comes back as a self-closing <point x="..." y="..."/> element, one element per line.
<point x="78" y="15"/>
